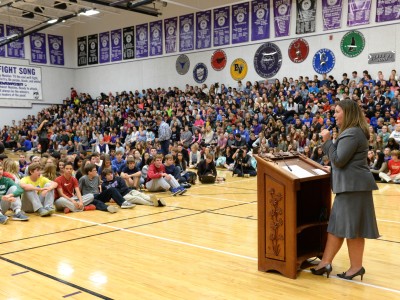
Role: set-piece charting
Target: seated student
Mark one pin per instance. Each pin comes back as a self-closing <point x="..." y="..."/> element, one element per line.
<point x="131" y="174"/>
<point x="23" y="164"/>
<point x="9" y="198"/>
<point x="182" y="164"/>
<point x="39" y="192"/>
<point x="159" y="180"/>
<point x="90" y="184"/>
<point x="379" y="165"/>
<point x="118" y="164"/>
<point x="68" y="196"/>
<point x="130" y="195"/>
<point x="394" y="168"/>
<point x="175" y="171"/>
<point x="206" y="170"/>
<point x="243" y="165"/>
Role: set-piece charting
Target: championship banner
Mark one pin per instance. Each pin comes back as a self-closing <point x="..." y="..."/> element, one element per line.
<point x="38" y="48"/>
<point x="20" y="82"/>
<point x="156" y="38"/>
<point x="56" y="49"/>
<point x="2" y="35"/>
<point x="259" y="20"/>
<point x="93" y="52"/>
<point x="142" y="40"/>
<point x="282" y="9"/>
<point x="221" y="26"/>
<point x="203" y="29"/>
<point x="306" y="13"/>
<point x="104" y="39"/>
<point x="331" y="14"/>
<point x="387" y="10"/>
<point x="128" y="36"/>
<point x="358" y="12"/>
<point x="16" y="49"/>
<point x="186" y="32"/>
<point x="116" y="45"/>
<point x="240" y="23"/>
<point x="170" y="27"/>
<point x="82" y="51"/>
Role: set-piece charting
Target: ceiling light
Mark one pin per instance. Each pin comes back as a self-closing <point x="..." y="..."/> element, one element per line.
<point x="39" y="9"/>
<point x="89" y="12"/>
<point x="132" y="4"/>
<point x="52" y="21"/>
<point x="60" y="5"/>
<point x="28" y="14"/>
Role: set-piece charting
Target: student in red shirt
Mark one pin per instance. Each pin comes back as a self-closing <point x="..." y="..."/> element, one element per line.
<point x="394" y="168"/>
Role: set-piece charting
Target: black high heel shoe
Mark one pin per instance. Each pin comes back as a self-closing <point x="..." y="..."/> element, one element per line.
<point x="360" y="272"/>
<point x="327" y="269"/>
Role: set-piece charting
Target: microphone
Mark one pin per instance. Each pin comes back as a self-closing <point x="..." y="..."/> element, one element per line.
<point x="289" y="168"/>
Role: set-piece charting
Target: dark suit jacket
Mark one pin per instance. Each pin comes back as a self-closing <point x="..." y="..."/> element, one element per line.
<point x="348" y="156"/>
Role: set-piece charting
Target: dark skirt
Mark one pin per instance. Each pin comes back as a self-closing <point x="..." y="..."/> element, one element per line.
<point x="353" y="216"/>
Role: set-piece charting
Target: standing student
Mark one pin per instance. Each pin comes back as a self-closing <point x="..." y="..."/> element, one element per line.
<point x="353" y="214"/>
<point x="164" y="135"/>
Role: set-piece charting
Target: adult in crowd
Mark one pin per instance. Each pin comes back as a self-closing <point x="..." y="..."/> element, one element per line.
<point x="164" y="135"/>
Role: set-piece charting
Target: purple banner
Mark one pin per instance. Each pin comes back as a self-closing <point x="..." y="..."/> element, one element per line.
<point x="128" y="35"/>
<point x="387" y="10"/>
<point x="203" y="29"/>
<point x="156" y="38"/>
<point x="306" y="13"/>
<point x="142" y="40"/>
<point x="240" y="23"/>
<point x="331" y="14"/>
<point x="38" y="48"/>
<point x="93" y="51"/>
<point x="358" y="12"/>
<point x="171" y="27"/>
<point x="82" y="51"/>
<point x="104" y="40"/>
<point x="2" y="34"/>
<point x="221" y="26"/>
<point x="56" y="49"/>
<point x="15" y="49"/>
<point x="116" y="45"/>
<point x="259" y="20"/>
<point x="282" y="9"/>
<point x="186" y="32"/>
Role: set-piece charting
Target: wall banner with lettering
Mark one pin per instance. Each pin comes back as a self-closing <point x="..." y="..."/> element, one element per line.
<point x="240" y="23"/>
<point x="331" y="14"/>
<point x="20" y="82"/>
<point x="128" y="35"/>
<point x="104" y="40"/>
<point x="282" y="10"/>
<point x="387" y="10"/>
<point x="259" y="20"/>
<point x="156" y="38"/>
<point x="82" y="51"/>
<point x="306" y="13"/>
<point x="221" y="26"/>
<point x="203" y="29"/>
<point x="170" y="27"/>
<point x="38" y="48"/>
<point x="186" y="32"/>
<point x="15" y="49"/>
<point x="93" y="51"/>
<point x="2" y="34"/>
<point x="116" y="45"/>
<point x="56" y="49"/>
<point x="358" y="12"/>
<point x="142" y="40"/>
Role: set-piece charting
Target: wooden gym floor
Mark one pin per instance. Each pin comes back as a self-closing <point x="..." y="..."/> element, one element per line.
<point x="202" y="245"/>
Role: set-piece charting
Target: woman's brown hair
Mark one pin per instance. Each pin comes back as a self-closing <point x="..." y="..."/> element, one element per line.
<point x="353" y="116"/>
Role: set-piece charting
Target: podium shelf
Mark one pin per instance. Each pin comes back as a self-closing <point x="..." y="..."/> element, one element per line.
<point x="309" y="225"/>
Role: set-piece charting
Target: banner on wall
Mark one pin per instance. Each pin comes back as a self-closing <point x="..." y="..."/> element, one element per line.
<point x="221" y="26"/>
<point x="203" y="29"/>
<point x="142" y="40"/>
<point x="306" y="13"/>
<point x="20" y="82"/>
<point x="282" y="10"/>
<point x="240" y="23"/>
<point x="358" y="12"/>
<point x="170" y="26"/>
<point x="331" y="14"/>
<point x="128" y="35"/>
<point x="56" y="49"/>
<point x="156" y="38"/>
<point x="186" y="32"/>
<point x="82" y="51"/>
<point x="38" y="48"/>
<point x="259" y="20"/>
<point x="104" y="39"/>
<point x="116" y="45"/>
<point x="2" y="35"/>
<point x="16" y="49"/>
<point x="387" y="10"/>
<point x="93" y="51"/>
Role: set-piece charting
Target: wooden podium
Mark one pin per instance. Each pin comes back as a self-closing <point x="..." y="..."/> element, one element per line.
<point x="294" y="203"/>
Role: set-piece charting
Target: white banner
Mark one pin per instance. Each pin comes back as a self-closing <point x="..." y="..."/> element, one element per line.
<point x="20" y="82"/>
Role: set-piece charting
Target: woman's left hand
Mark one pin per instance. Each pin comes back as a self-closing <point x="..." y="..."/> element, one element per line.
<point x="326" y="135"/>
